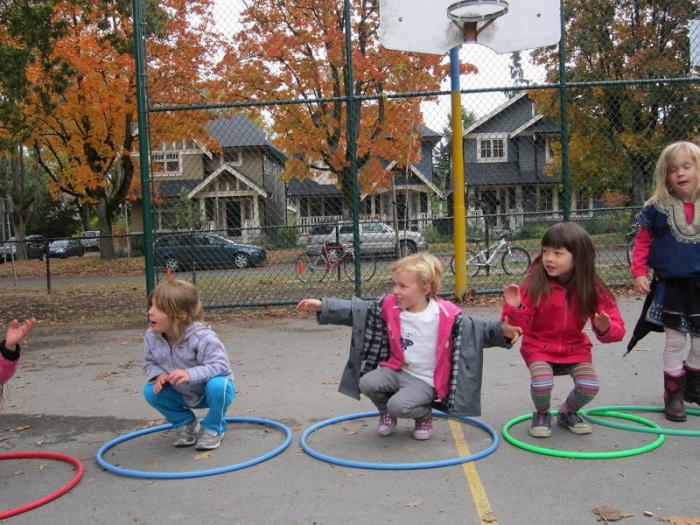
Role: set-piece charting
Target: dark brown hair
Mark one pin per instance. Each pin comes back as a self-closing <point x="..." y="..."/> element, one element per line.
<point x="583" y="283"/>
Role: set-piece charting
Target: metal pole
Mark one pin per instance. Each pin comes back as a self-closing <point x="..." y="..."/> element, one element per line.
<point x="352" y="147"/>
<point x="458" y="205"/>
<point x="564" y="117"/>
<point x="144" y="147"/>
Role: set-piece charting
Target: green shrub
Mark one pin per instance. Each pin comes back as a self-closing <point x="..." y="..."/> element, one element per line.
<point x="283" y="237"/>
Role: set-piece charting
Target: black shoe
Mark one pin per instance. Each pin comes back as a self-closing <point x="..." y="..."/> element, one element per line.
<point x="541" y="425"/>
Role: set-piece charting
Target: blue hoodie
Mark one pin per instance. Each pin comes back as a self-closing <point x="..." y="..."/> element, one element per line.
<point x="200" y="352"/>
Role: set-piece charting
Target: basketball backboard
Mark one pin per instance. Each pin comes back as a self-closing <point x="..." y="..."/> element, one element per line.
<point x="423" y="26"/>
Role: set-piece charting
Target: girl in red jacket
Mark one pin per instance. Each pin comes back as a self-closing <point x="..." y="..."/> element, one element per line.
<point x="561" y="292"/>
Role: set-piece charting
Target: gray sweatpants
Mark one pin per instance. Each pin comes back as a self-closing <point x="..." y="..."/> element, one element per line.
<point x="398" y="392"/>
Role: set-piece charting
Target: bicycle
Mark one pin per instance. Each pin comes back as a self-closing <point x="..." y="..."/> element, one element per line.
<point x="514" y="261"/>
<point x="315" y="266"/>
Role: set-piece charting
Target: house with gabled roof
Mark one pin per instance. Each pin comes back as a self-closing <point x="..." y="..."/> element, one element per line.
<point x="318" y="198"/>
<point x="506" y="156"/>
<point x="238" y="186"/>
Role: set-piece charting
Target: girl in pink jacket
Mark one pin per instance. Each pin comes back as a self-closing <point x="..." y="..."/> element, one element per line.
<point x="9" y="348"/>
<point x="560" y="294"/>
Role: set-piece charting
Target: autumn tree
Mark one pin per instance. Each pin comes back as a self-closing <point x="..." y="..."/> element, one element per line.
<point x="617" y="132"/>
<point x="288" y="50"/>
<point x="85" y="144"/>
<point x="28" y="72"/>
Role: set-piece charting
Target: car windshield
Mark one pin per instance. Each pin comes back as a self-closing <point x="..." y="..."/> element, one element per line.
<point x="59" y="244"/>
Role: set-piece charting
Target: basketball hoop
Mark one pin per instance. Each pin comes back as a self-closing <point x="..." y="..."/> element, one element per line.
<point x="466" y="14"/>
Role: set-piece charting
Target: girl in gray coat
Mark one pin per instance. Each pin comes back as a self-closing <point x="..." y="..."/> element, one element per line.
<point x="187" y="366"/>
<point x="410" y="350"/>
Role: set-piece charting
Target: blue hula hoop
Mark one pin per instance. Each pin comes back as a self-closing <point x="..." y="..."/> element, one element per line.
<point x="193" y="473"/>
<point x="398" y="466"/>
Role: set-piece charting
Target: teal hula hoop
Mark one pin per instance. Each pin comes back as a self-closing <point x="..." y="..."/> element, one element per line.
<point x="589" y="413"/>
<point x="574" y="454"/>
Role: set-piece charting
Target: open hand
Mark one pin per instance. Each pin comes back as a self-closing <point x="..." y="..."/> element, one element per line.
<point x="601" y="322"/>
<point x="178" y="376"/>
<point x="309" y="305"/>
<point x="511" y="295"/>
<point x="16" y="332"/>
<point x="510" y="331"/>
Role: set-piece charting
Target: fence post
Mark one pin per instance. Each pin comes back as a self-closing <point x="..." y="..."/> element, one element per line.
<point x="352" y="146"/>
<point x="564" y="117"/>
<point x="144" y="147"/>
<point x="48" y="267"/>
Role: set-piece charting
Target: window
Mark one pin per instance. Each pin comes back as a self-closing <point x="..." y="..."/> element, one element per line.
<point x="233" y="157"/>
<point x="582" y="200"/>
<point x="334" y="206"/>
<point x="512" y="199"/>
<point x="304" y="207"/>
<point x="166" y="163"/>
<point x="424" y="203"/>
<point x="547" y="199"/>
<point x="491" y="150"/>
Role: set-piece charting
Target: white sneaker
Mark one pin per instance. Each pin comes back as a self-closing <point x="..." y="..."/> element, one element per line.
<point x="208" y="440"/>
<point x="185" y="435"/>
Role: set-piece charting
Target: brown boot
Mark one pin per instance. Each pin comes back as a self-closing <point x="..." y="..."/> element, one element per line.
<point x="674" y="409"/>
<point x="692" y="386"/>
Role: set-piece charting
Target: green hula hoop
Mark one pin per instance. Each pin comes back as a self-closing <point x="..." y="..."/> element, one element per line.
<point x="574" y="454"/>
<point x="589" y="413"/>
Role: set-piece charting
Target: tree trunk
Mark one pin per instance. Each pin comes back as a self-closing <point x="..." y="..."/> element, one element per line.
<point x="104" y="219"/>
<point x="20" y="236"/>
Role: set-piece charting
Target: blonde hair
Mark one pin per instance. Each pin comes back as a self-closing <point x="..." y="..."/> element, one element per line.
<point x="180" y="301"/>
<point x="663" y="169"/>
<point x="427" y="267"/>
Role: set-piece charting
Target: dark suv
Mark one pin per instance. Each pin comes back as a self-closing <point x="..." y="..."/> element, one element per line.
<point x="204" y="251"/>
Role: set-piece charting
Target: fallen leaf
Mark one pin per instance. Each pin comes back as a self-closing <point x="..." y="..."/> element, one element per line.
<point x="351" y="432"/>
<point x="488" y="517"/>
<point x="416" y="503"/>
<point x="17" y="429"/>
<point x="18" y="472"/>
<point x="648" y="513"/>
<point x="42" y="466"/>
<point x="680" y="520"/>
<point x="40" y="442"/>
<point x="149" y="461"/>
<point x="606" y="513"/>
<point x="202" y="455"/>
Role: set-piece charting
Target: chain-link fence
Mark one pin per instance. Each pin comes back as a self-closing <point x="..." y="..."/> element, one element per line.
<point x="269" y="150"/>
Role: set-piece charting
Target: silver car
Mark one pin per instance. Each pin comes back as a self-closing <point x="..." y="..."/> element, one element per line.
<point x="375" y="237"/>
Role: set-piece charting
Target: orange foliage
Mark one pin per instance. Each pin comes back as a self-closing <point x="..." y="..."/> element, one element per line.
<point x="295" y="51"/>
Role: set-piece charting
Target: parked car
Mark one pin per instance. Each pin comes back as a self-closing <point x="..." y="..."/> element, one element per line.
<point x="202" y="250"/>
<point x="90" y="240"/>
<point x="375" y="237"/>
<point x="36" y="246"/>
<point x="63" y="248"/>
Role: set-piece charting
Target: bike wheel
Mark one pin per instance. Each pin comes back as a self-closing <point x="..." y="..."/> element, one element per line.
<point x="368" y="267"/>
<point x="473" y="264"/>
<point x="310" y="267"/>
<point x="515" y="261"/>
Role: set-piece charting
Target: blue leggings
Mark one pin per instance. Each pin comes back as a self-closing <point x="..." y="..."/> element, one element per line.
<point x="219" y="393"/>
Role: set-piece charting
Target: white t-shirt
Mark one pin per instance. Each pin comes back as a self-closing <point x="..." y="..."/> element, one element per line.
<point x="419" y="333"/>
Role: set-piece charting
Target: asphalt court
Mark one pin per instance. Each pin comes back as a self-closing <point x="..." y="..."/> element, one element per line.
<point x="80" y="386"/>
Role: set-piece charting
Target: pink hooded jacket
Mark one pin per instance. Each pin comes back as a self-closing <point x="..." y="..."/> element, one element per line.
<point x="443" y="364"/>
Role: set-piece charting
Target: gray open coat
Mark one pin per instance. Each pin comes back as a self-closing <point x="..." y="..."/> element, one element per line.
<point x="369" y="346"/>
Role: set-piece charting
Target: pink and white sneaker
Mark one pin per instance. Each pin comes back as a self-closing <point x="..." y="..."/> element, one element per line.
<point x="387" y="424"/>
<point x="423" y="429"/>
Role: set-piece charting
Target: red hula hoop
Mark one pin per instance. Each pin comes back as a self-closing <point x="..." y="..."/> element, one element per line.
<point x="55" y="494"/>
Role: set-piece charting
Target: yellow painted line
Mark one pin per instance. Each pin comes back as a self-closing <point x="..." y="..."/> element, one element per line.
<point x="481" y="500"/>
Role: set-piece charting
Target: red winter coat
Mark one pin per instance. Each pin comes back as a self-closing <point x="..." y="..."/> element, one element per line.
<point x="553" y="331"/>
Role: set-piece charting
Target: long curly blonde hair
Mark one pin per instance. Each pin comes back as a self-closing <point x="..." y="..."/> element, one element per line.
<point x="663" y="169"/>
